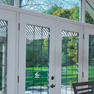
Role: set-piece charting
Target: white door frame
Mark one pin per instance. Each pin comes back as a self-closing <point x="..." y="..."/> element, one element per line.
<point x="73" y="28"/>
<point x="11" y="43"/>
<point x="39" y="21"/>
<point x="87" y="31"/>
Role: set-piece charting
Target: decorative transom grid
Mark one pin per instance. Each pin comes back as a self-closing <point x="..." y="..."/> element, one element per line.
<point x="36" y="32"/>
<point x="3" y="28"/>
<point x="69" y="72"/>
<point x="37" y="59"/>
<point x="68" y="34"/>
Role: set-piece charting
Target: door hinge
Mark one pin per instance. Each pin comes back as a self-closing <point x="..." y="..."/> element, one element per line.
<point x="18" y="26"/>
<point x="17" y="79"/>
<point x="83" y="36"/>
<point x="82" y="74"/>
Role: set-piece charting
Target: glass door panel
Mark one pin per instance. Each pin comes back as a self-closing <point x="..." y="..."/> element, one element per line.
<point x="37" y="59"/>
<point x="91" y="58"/>
<point x="69" y="68"/>
<point x="38" y="51"/>
<point x="3" y="56"/>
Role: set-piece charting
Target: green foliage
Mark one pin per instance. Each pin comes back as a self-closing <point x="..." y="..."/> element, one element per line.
<point x="65" y="57"/>
<point x="88" y="18"/>
<point x="37" y="53"/>
<point x="66" y="13"/>
<point x="72" y="13"/>
<point x="72" y="50"/>
<point x="76" y="14"/>
<point x="91" y="48"/>
<point x="9" y="2"/>
<point x="69" y="50"/>
<point x="53" y="9"/>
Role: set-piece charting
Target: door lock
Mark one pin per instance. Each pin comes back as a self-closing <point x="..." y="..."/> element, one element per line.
<point x="52" y="78"/>
<point x="52" y="86"/>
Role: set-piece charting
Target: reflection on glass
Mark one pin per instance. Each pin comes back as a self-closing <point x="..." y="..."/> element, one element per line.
<point x="91" y="58"/>
<point x="62" y="8"/>
<point x="69" y="70"/>
<point x="89" y="13"/>
<point x="37" y="59"/>
<point x="3" y="55"/>
<point x="7" y="2"/>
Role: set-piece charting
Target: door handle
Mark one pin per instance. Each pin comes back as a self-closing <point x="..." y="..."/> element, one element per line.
<point x="52" y="86"/>
<point x="52" y="78"/>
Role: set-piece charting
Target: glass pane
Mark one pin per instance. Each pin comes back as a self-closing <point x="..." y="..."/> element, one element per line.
<point x="37" y="59"/>
<point x="8" y="2"/>
<point x="69" y="70"/>
<point x="62" y="8"/>
<point x="3" y="55"/>
<point x="91" y="58"/>
<point x="89" y="12"/>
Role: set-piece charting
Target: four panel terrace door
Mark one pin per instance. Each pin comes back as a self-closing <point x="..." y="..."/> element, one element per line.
<point x="45" y="56"/>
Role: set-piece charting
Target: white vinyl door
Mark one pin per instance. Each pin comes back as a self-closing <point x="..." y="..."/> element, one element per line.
<point x="88" y="63"/>
<point x="69" y="50"/>
<point x="36" y="55"/>
<point x="50" y="55"/>
<point x="7" y="52"/>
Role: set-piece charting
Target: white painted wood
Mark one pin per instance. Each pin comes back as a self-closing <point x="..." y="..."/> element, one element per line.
<point x="33" y="20"/>
<point x="58" y="59"/>
<point x="82" y="11"/>
<point x="87" y="31"/>
<point x="17" y="3"/>
<point x="11" y="77"/>
<point x="17" y="52"/>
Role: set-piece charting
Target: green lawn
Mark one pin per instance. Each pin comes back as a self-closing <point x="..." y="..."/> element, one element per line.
<point x="68" y="76"/>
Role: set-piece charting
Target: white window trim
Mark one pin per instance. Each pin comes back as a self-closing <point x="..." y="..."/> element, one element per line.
<point x="82" y="11"/>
